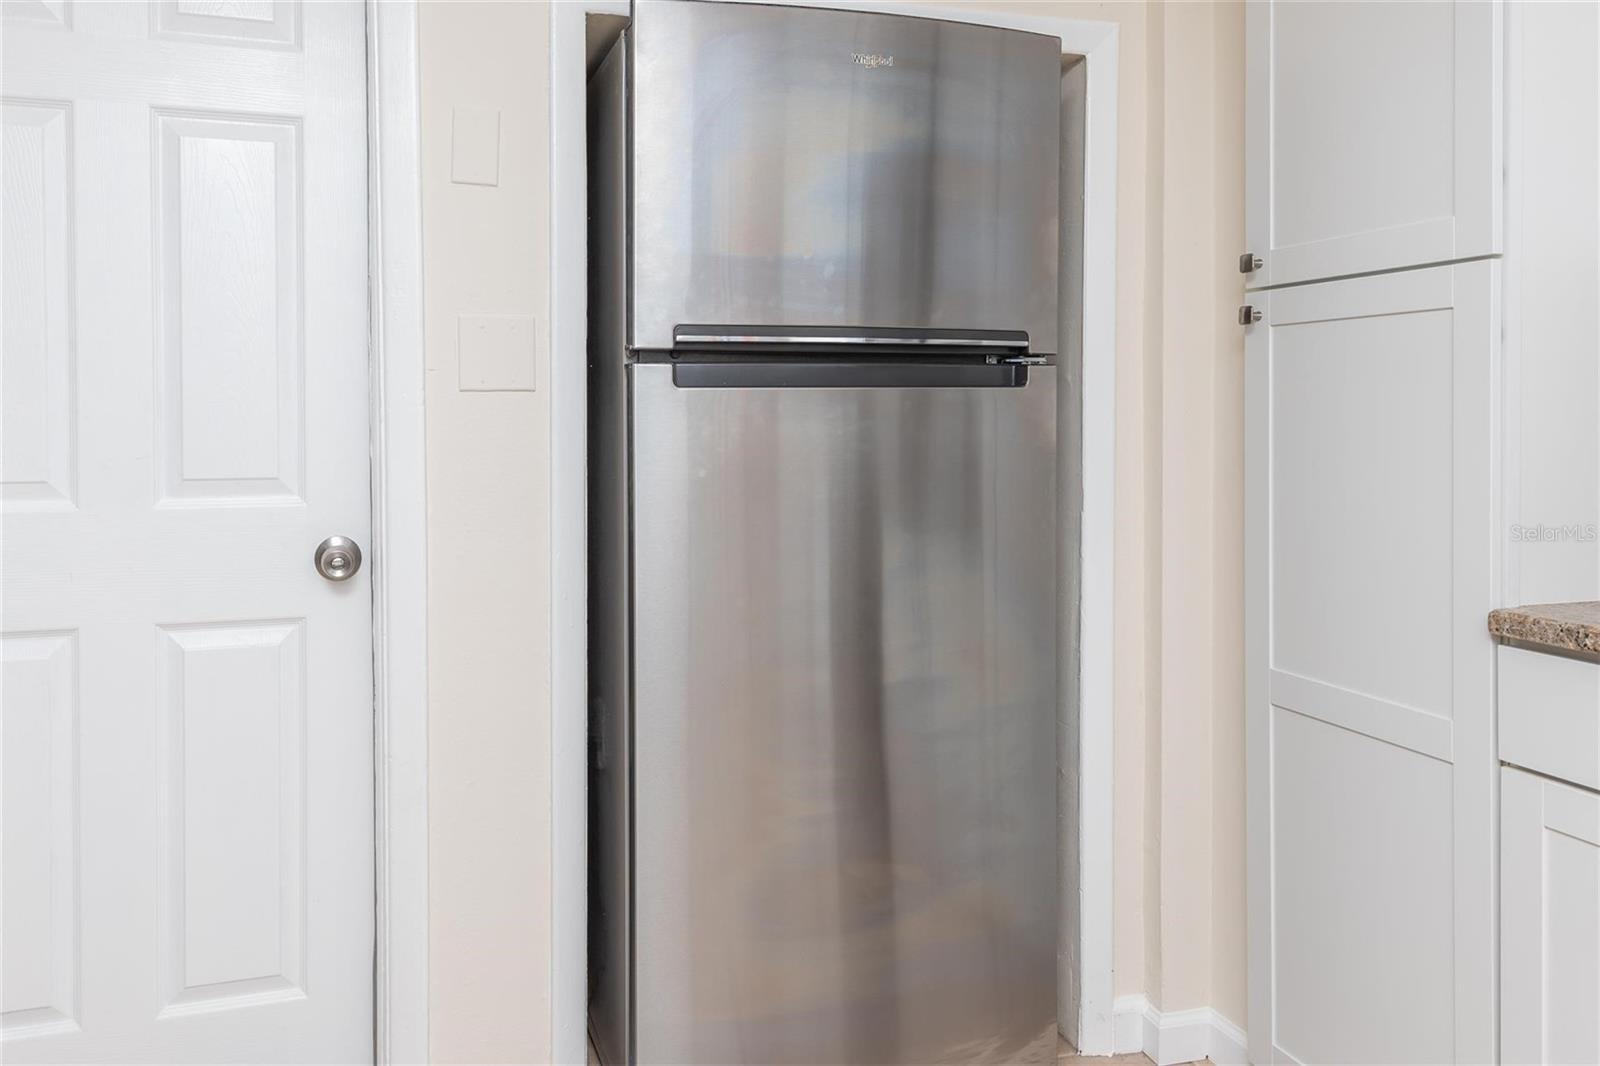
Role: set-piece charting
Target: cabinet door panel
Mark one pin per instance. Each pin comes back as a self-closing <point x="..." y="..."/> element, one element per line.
<point x="1370" y="674"/>
<point x="1373" y="136"/>
<point x="1549" y="920"/>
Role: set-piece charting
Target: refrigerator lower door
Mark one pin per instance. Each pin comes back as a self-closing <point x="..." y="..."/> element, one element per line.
<point x="844" y="723"/>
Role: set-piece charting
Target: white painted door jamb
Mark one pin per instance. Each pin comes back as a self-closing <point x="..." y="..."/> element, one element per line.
<point x="399" y="533"/>
<point x="569" y="548"/>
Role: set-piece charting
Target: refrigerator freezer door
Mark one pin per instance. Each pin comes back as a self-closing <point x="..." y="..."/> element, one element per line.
<point x="844" y="723"/>
<point x="796" y="167"/>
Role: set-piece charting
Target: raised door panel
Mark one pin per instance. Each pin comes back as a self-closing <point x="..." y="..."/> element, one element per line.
<point x="1370" y="672"/>
<point x="255" y="22"/>
<point x="38" y="431"/>
<point x="39" y="690"/>
<point x="230" y="412"/>
<point x="1550" y="920"/>
<point x="231" y="824"/>
<point x="1373" y="136"/>
<point x="56" y="13"/>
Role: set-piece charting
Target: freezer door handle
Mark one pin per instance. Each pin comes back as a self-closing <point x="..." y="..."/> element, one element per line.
<point x="848" y="338"/>
<point x="845" y="338"/>
<point x="887" y="375"/>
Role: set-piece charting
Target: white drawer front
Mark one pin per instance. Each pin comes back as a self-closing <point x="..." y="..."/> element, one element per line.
<point x="1550" y="715"/>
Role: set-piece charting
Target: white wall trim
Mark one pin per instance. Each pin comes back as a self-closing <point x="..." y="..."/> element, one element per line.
<point x="399" y="549"/>
<point x="569" y="546"/>
<point x="1177" y="1036"/>
<point x="1098" y="42"/>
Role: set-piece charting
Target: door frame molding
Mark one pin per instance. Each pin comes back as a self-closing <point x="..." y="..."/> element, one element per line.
<point x="1097" y="42"/>
<point x="399" y="549"/>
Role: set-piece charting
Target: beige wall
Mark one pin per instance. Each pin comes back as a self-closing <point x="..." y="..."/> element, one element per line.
<point x="1179" y="923"/>
<point x="1228" y="941"/>
<point x="1196" y="419"/>
<point x="485" y="251"/>
<point x="1179" y="781"/>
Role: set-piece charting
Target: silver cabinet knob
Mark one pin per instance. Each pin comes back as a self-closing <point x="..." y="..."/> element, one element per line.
<point x="338" y="558"/>
<point x="1249" y="315"/>
<point x="1249" y="263"/>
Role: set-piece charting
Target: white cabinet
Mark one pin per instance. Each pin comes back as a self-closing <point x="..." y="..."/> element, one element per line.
<point x="1549" y="858"/>
<point x="1549" y="709"/>
<point x="1370" y="674"/>
<point x="1552" y="380"/>
<point x="1373" y="136"/>
<point x="1549" y="920"/>
<point x="1423" y="444"/>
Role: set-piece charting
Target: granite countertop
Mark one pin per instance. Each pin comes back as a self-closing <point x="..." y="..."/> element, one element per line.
<point x="1563" y="628"/>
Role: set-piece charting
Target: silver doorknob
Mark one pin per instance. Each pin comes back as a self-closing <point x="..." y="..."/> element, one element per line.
<point x="338" y="558"/>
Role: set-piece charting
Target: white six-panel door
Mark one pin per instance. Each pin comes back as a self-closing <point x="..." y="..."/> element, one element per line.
<point x="187" y="706"/>
<point x="1373" y="133"/>
<point x="1370" y="674"/>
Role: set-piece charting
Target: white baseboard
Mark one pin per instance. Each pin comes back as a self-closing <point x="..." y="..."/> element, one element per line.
<point x="1176" y="1036"/>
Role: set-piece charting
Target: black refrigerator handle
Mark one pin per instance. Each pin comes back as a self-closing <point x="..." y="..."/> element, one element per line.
<point x="886" y="375"/>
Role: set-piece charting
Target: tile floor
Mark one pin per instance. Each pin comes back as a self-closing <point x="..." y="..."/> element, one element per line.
<point x="1066" y="1055"/>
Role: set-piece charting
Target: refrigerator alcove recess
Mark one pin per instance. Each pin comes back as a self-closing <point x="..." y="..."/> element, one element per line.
<point x="824" y="256"/>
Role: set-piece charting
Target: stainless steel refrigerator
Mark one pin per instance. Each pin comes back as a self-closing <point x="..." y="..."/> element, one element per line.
<point x="823" y="531"/>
